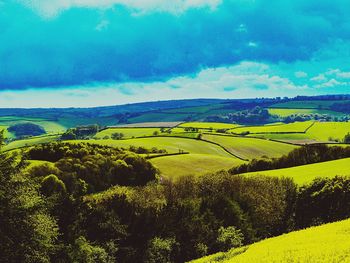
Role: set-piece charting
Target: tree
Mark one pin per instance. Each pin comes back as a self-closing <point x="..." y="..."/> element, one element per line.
<point x="229" y="237"/>
<point x="159" y="250"/>
<point x="347" y="138"/>
<point x="27" y="232"/>
<point x="117" y="136"/>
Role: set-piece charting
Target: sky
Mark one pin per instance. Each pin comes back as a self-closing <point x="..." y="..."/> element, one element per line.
<point x="82" y="53"/>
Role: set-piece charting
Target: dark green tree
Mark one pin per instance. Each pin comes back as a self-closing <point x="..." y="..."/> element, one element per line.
<point x="27" y="232"/>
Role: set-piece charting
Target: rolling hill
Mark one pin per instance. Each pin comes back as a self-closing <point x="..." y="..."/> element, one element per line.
<point x="326" y="243"/>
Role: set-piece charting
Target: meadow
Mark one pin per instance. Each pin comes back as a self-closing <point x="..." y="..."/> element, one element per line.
<point x="174" y="167"/>
<point x="326" y="243"/>
<point x="250" y="148"/>
<point x="306" y="173"/>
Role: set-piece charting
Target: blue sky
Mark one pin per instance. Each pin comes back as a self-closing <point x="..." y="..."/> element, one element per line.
<point x="59" y="53"/>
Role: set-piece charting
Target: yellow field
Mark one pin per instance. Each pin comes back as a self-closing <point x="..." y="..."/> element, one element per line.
<point x="323" y="244"/>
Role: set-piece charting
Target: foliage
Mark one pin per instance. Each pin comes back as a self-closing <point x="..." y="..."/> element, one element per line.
<point x="301" y="156"/>
<point x="26" y="129"/>
<point x="28" y="232"/>
<point x="229" y="237"/>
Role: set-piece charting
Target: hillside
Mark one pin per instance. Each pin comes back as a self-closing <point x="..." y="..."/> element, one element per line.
<point x="326" y="243"/>
<point x="306" y="173"/>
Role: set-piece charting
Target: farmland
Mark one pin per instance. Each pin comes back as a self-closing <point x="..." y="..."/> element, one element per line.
<point x="306" y="173"/>
<point x="250" y="148"/>
<point x="326" y="243"/>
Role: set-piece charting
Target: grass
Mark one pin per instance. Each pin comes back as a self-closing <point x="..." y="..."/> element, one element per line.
<point x="288" y="112"/>
<point x="323" y="131"/>
<point x="306" y="173"/>
<point x="250" y="148"/>
<point x="171" y="144"/>
<point x="208" y="125"/>
<point x="176" y="166"/>
<point x="29" y="142"/>
<point x="128" y="132"/>
<point x="278" y="128"/>
<point x="323" y="244"/>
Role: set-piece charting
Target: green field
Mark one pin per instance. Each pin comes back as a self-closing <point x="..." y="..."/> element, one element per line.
<point x="209" y="125"/>
<point x="306" y="173"/>
<point x="193" y="164"/>
<point x="323" y="131"/>
<point x="48" y="125"/>
<point x="288" y="112"/>
<point x="324" y="244"/>
<point x="171" y="144"/>
<point x="250" y="148"/>
<point x="277" y="128"/>
<point x="128" y="132"/>
<point x="29" y="142"/>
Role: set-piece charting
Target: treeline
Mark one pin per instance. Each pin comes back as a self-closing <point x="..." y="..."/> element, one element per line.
<point x="256" y="115"/>
<point x="301" y="156"/>
<point x="86" y="168"/>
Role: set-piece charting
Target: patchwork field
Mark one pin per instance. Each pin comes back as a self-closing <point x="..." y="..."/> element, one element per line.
<point x="326" y="243"/>
<point x="250" y="148"/>
<point x="306" y="173"/>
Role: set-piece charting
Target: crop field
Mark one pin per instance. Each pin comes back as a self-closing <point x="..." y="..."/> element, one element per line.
<point x="324" y="244"/>
<point x="208" y="125"/>
<point x="306" y="173"/>
<point x="193" y="164"/>
<point x="250" y="148"/>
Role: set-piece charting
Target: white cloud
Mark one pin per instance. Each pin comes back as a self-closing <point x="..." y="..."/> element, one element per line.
<point x="50" y="8"/>
<point x="247" y="79"/>
<point x="319" y="78"/>
<point x="300" y="74"/>
<point x="331" y="84"/>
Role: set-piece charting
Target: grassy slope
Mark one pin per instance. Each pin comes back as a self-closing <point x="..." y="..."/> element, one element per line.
<point x="250" y="148"/>
<point x="326" y="243"/>
<point x="193" y="164"/>
<point x="29" y="142"/>
<point x="306" y="173"/>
